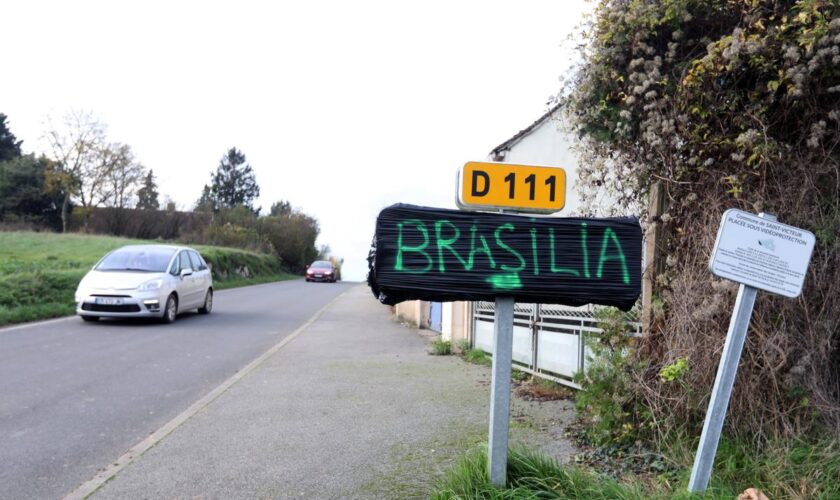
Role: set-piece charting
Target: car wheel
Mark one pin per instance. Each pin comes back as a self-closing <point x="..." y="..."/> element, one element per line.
<point x="208" y="302"/>
<point x="90" y="319"/>
<point x="170" y="312"/>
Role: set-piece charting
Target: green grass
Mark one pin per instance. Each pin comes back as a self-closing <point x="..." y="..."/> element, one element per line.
<point x="40" y="271"/>
<point x="440" y="347"/>
<point x="530" y="476"/>
<point x="478" y="357"/>
<point x="799" y="470"/>
<point x="782" y="469"/>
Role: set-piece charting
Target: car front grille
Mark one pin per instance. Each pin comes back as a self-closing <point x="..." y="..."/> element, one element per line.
<point x="122" y="308"/>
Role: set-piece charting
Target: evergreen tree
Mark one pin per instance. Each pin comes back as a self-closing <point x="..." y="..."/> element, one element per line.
<point x="281" y="209"/>
<point x="205" y="203"/>
<point x="234" y="182"/>
<point x="147" y="196"/>
<point x="9" y="145"/>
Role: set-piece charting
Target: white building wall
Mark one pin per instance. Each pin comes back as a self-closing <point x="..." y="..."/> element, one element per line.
<point x="547" y="146"/>
<point x="446" y="324"/>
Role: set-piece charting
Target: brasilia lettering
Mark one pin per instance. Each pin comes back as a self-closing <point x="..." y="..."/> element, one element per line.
<point x="447" y="234"/>
<point x="441" y="255"/>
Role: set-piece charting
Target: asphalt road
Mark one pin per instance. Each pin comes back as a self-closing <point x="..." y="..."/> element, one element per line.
<point x="74" y="395"/>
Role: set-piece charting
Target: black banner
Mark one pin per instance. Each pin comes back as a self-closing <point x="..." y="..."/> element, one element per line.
<point x="444" y="255"/>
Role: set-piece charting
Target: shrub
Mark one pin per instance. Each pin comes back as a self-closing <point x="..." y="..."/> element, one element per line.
<point x="440" y="347"/>
<point x="607" y="403"/>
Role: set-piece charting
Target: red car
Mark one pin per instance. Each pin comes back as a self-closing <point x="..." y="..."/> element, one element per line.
<point x="321" y="270"/>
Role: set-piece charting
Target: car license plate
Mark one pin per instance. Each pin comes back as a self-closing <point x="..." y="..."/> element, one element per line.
<point x="319" y="275"/>
<point x="109" y="301"/>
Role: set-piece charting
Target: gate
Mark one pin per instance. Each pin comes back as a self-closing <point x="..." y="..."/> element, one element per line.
<point x="548" y="339"/>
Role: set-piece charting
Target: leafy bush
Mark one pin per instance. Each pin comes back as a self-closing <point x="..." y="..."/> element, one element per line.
<point x="607" y="403"/>
<point x="228" y="263"/>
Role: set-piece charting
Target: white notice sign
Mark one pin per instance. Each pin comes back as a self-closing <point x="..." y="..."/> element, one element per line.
<point x="761" y="253"/>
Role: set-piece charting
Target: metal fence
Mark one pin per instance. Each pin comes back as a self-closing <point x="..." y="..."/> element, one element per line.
<point x="548" y="340"/>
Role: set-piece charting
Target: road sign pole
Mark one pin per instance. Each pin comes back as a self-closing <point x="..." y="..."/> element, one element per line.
<point x="715" y="414"/>
<point x="500" y="391"/>
<point x="724" y="381"/>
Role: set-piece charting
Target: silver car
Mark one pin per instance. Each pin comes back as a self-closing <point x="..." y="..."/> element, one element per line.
<point x="137" y="281"/>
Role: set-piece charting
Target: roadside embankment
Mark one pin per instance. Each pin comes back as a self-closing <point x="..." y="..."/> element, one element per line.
<point x="39" y="271"/>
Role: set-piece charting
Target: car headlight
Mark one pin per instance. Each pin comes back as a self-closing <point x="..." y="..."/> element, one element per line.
<point x="81" y="291"/>
<point x="151" y="285"/>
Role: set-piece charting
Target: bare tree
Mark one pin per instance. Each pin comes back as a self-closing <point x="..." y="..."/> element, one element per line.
<point x="75" y="145"/>
<point x="88" y="169"/>
<point x="125" y="175"/>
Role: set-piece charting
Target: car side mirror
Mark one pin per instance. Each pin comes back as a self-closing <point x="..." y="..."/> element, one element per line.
<point x="186" y="272"/>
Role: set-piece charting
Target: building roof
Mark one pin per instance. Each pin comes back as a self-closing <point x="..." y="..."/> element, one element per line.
<point x="498" y="152"/>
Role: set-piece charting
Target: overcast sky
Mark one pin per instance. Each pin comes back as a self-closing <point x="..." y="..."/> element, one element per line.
<point x="342" y="107"/>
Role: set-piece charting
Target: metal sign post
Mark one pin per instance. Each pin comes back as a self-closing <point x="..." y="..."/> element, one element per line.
<point x="759" y="253"/>
<point x="500" y="390"/>
<point x="722" y="391"/>
<point x="423" y="253"/>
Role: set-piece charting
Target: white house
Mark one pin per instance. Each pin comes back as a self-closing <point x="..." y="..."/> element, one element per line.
<point x="543" y="143"/>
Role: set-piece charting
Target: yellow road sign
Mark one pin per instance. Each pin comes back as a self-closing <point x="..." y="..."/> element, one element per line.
<point x="505" y="186"/>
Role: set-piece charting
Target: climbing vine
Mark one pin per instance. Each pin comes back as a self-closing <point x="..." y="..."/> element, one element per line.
<point x="729" y="104"/>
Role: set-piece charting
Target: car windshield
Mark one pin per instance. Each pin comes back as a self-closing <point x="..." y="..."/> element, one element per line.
<point x="322" y="264"/>
<point x="140" y="259"/>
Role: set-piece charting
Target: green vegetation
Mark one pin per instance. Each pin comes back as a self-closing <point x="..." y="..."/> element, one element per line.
<point x="478" y="357"/>
<point x="89" y="183"/>
<point x="720" y="105"/>
<point x="440" y="347"/>
<point x="607" y="407"/>
<point x="519" y="375"/>
<point x="530" y="476"/>
<point x="462" y="346"/>
<point x="40" y="271"/>
<point x="232" y="185"/>
<point x="804" y="470"/>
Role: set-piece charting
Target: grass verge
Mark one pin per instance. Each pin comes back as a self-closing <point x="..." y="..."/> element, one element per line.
<point x="530" y="476"/>
<point x="39" y="272"/>
<point x="478" y="357"/>
<point x="792" y="471"/>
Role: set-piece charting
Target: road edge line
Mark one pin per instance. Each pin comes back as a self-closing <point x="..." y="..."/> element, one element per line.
<point x="90" y="486"/>
<point x="40" y="322"/>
